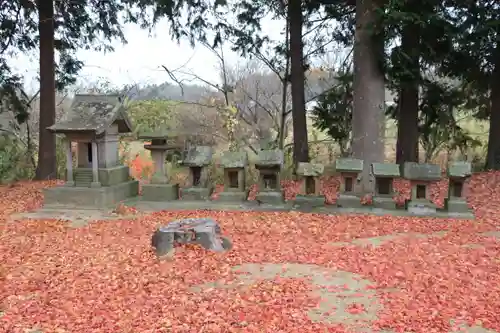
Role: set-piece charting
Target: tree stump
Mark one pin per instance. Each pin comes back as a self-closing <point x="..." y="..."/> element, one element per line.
<point x="202" y="231"/>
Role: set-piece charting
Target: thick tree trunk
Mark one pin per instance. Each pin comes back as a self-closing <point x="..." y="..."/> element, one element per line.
<point x="297" y="78"/>
<point x="47" y="168"/>
<point x="368" y="117"/>
<point x="407" y="142"/>
<point x="493" y="156"/>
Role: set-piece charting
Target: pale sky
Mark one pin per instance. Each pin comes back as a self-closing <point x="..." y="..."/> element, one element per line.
<point x="139" y="61"/>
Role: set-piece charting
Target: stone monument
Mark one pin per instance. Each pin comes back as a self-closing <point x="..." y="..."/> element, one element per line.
<point x="197" y="159"/>
<point x="94" y="122"/>
<point x="202" y="231"/>
<point x="349" y="192"/>
<point x="234" y="164"/>
<point x="458" y="172"/>
<point x="269" y="164"/>
<point x="159" y="188"/>
<point x="310" y="174"/>
<point x="384" y="174"/>
<point x="421" y="177"/>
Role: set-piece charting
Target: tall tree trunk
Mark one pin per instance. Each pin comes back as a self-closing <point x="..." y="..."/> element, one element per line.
<point x="407" y="142"/>
<point x="297" y="78"/>
<point x="368" y="116"/>
<point x="493" y="156"/>
<point x="47" y="168"/>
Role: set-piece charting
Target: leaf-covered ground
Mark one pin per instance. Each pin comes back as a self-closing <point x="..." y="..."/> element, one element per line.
<point x="287" y="272"/>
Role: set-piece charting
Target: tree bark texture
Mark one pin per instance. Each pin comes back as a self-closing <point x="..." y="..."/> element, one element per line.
<point x="368" y="119"/>
<point x="493" y="155"/>
<point x="47" y="168"/>
<point x="407" y="139"/>
<point x="297" y="78"/>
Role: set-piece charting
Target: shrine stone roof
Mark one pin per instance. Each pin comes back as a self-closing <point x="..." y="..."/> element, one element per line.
<point x="94" y="113"/>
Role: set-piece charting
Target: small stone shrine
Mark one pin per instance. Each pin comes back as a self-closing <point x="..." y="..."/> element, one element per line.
<point x="94" y="122"/>
<point x="384" y="174"/>
<point x="234" y="164"/>
<point x="349" y="192"/>
<point x="421" y="177"/>
<point x="269" y="164"/>
<point x="159" y="188"/>
<point x="202" y="231"/>
<point x="310" y="174"/>
<point x="458" y="172"/>
<point x="197" y="159"/>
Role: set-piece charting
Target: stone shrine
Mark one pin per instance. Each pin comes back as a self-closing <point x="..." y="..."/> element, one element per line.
<point x="159" y="188"/>
<point x="269" y="164"/>
<point x="197" y="159"/>
<point x="384" y="174"/>
<point x="458" y="173"/>
<point x="349" y="192"/>
<point x="234" y="164"/>
<point x="94" y="122"/>
<point x="310" y="174"/>
<point x="421" y="177"/>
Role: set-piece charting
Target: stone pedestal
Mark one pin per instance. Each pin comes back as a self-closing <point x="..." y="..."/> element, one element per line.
<point x="349" y="201"/>
<point x="384" y="202"/>
<point x="271" y="197"/>
<point x="420" y="207"/>
<point x="309" y="201"/>
<point x="196" y="193"/>
<point x="160" y="192"/>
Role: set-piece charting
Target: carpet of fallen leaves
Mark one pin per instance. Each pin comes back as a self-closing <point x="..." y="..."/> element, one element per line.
<point x="105" y="278"/>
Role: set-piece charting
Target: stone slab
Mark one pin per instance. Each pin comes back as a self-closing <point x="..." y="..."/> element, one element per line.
<point x="460" y="170"/>
<point x="198" y="156"/>
<point x="196" y="193"/>
<point x="310" y="169"/>
<point x="232" y="196"/>
<point x="349" y="201"/>
<point x="309" y="201"/>
<point x="233" y="160"/>
<point x="270" y="158"/>
<point x="352" y="165"/>
<point x="160" y="192"/>
<point x="96" y="197"/>
<point x="270" y="197"/>
<point x="385" y="170"/>
<point x="253" y="205"/>
<point x="421" y="171"/>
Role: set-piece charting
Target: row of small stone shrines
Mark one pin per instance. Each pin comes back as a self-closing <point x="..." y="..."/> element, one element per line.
<point x="269" y="164"/>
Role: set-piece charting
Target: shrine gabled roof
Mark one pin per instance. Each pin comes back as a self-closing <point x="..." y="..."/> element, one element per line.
<point x="94" y="113"/>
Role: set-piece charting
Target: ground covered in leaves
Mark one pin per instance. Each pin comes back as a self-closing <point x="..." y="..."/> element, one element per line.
<point x="287" y="272"/>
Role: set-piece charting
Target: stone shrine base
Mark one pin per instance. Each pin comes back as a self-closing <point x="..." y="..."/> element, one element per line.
<point x="233" y="196"/>
<point x="457" y="205"/>
<point x="160" y="192"/>
<point x="349" y="200"/>
<point x="92" y="197"/>
<point x="196" y="193"/>
<point x="271" y="197"/>
<point x="309" y="201"/>
<point x="384" y="202"/>
<point x="421" y="207"/>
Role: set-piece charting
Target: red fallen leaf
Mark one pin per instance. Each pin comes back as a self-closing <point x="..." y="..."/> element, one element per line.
<point x="105" y="278"/>
<point x="356" y="308"/>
